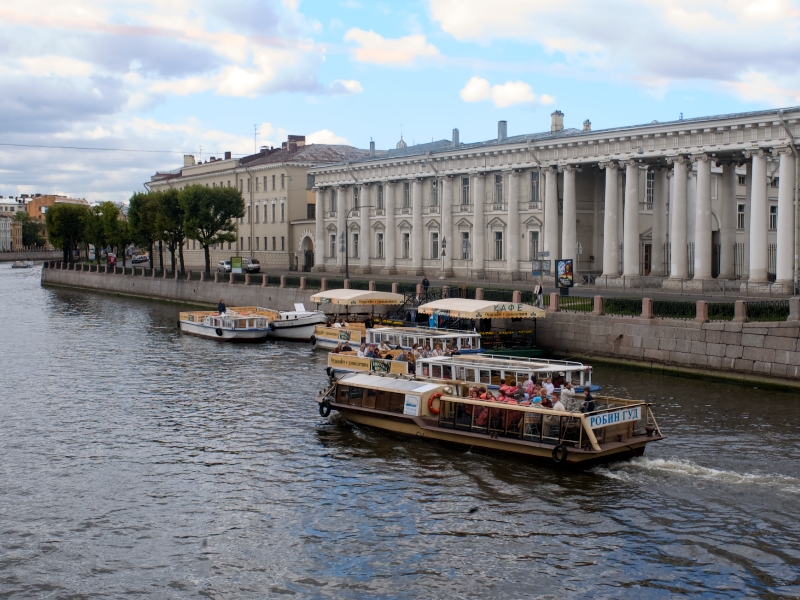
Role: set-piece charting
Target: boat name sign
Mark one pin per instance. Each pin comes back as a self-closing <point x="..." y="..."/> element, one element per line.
<point x="613" y="418"/>
<point x="411" y="405"/>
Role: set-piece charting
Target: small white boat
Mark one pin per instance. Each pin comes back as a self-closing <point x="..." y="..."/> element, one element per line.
<point x="22" y="264"/>
<point x="298" y="324"/>
<point x="232" y="326"/>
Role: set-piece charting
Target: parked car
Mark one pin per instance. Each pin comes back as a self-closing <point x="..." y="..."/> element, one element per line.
<point x="224" y="266"/>
<point x="251" y="265"/>
<point x="142" y="258"/>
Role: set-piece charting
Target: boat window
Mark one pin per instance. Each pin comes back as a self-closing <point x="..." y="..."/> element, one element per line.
<point x="356" y="396"/>
<point x="522" y="378"/>
<point x="382" y="400"/>
<point x="426" y="370"/>
<point x="370" y="399"/>
<point x="496" y="378"/>
<point x="470" y="375"/>
<point x="396" y="402"/>
<point x="485" y="377"/>
<point x="508" y="377"/>
<point x="447" y="372"/>
<point x="437" y="371"/>
<point x="461" y="373"/>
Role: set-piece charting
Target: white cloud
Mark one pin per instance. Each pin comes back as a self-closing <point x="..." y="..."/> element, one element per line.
<point x="325" y="136"/>
<point x="346" y="86"/>
<point x="54" y="65"/>
<point x="376" y="49"/>
<point x="510" y="93"/>
<point x="650" y="43"/>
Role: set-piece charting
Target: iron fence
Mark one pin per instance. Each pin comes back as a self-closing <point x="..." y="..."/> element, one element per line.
<point x="777" y="310"/>
<point x="721" y="311"/>
<point x="626" y="307"/>
<point x="674" y="309"/>
<point x="575" y="304"/>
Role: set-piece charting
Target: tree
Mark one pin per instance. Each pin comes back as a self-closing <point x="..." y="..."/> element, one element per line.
<point x="31" y="230"/>
<point x="143" y="213"/>
<point x="116" y="230"/>
<point x="171" y="221"/>
<point x="65" y="226"/>
<point x="210" y="214"/>
<point x="94" y="231"/>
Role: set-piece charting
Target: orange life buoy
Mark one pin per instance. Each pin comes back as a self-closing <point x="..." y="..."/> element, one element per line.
<point x="436" y="396"/>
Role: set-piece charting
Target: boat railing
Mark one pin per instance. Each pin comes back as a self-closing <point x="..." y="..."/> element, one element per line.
<point x="547" y="426"/>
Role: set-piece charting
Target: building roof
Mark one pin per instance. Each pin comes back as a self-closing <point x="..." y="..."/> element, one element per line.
<point x="311" y="153"/>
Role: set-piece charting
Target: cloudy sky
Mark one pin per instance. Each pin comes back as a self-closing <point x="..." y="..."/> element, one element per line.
<point x="175" y="76"/>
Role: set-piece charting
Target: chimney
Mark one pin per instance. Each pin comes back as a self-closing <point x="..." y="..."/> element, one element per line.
<point x="264" y="150"/>
<point x="455" y="137"/>
<point x="293" y="146"/>
<point x="557" y="121"/>
<point x="227" y="156"/>
<point x="371" y="148"/>
<point x="213" y="158"/>
<point x="299" y="140"/>
<point x="188" y="160"/>
<point x="502" y="130"/>
<point x="587" y="125"/>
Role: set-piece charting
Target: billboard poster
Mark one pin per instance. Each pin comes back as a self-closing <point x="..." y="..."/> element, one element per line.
<point x="564" y="272"/>
<point x="236" y="264"/>
<point x="537" y="268"/>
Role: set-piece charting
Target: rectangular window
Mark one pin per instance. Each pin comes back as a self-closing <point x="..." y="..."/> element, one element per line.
<point x="533" y="245"/>
<point x="241" y="183"/>
<point x="273" y="212"/>
<point x="229" y="245"/>
<point x="355" y="197"/>
<point x="256" y="212"/>
<point x="309" y="181"/>
<point x="332" y="246"/>
<point x="256" y="182"/>
<point x="379" y="245"/>
<point x="333" y="200"/>
<point x="651" y="184"/>
<point x="773" y="217"/>
<point x="774" y="182"/>
<point x="265" y="216"/>
<point x="498" y="245"/>
<point x="256" y="243"/>
<point x="265" y="183"/>
<point x="535" y="188"/>
<point x="241" y="243"/>
<point x="229" y="183"/>
<point x="434" y="245"/>
<point x="380" y="198"/>
<point x="406" y="194"/>
<point x="311" y="211"/>
<point x="465" y="190"/>
<point x="273" y="183"/>
<point x="283" y="181"/>
<point x="465" y="245"/>
<point x="355" y="245"/>
<point x="498" y="189"/>
<point x="248" y="242"/>
<point x="283" y="243"/>
<point x="434" y="193"/>
<point x="273" y="244"/>
<point x="740" y="216"/>
<point x="265" y="242"/>
<point x="283" y="212"/>
<point x="248" y="186"/>
<point x="248" y="214"/>
<point x="742" y="179"/>
<point x="406" y="245"/>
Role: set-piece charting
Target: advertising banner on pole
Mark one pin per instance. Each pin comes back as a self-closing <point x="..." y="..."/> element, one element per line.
<point x="236" y="264"/>
<point x="564" y="272"/>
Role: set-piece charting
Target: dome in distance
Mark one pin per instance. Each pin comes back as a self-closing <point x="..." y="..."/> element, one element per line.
<point x="401" y="143"/>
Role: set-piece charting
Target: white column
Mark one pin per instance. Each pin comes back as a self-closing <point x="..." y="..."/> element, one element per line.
<point x="479" y="225"/>
<point x="389" y="241"/>
<point x="364" y="199"/>
<point x="551" y="215"/>
<point x="630" y="243"/>
<point x="758" y="217"/>
<point x="785" y="257"/>
<point x="659" y="231"/>
<point x="512" y="230"/>
<point x="727" y="221"/>
<point x="447" y="225"/>
<point x="597" y="224"/>
<point x="319" y="232"/>
<point x="341" y="211"/>
<point x="610" y="247"/>
<point x="679" y="267"/>
<point x="569" y="231"/>
<point x="417" y="237"/>
<point x="702" y="220"/>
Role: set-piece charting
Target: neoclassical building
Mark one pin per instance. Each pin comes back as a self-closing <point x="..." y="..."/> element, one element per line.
<point x="702" y="198"/>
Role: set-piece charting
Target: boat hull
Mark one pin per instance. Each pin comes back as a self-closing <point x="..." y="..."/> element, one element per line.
<point x="541" y="453"/>
<point x="299" y="330"/>
<point x="227" y="335"/>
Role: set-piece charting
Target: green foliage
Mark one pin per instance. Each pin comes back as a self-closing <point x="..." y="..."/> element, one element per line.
<point x="209" y="215"/>
<point x="143" y="212"/>
<point x="94" y="231"/>
<point x="170" y="221"/>
<point x="65" y="226"/>
<point x="675" y="309"/>
<point x="720" y="311"/>
<point x="32" y="231"/>
<point x="629" y="307"/>
<point x="768" y="310"/>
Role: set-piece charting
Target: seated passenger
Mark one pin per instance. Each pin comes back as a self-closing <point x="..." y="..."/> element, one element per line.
<point x="338" y="348"/>
<point x="337" y="325"/>
<point x="559" y="405"/>
<point x="347" y="347"/>
<point x="569" y="398"/>
<point x="402" y="356"/>
<point x="370" y="353"/>
<point x="362" y="351"/>
<point x="588" y="400"/>
<point x="547" y="401"/>
<point x="383" y="346"/>
<point x="548" y="386"/>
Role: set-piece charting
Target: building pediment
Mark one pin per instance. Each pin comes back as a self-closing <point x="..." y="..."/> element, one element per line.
<point x="497" y="223"/>
<point x="463" y="223"/>
<point x="432" y="224"/>
<point x="331" y="227"/>
<point x="533" y="222"/>
<point x="404" y="225"/>
<point x="378" y="226"/>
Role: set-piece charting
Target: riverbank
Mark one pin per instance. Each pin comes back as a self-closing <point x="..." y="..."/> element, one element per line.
<point x="30" y="255"/>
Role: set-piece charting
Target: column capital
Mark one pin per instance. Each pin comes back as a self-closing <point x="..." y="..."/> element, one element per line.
<point x="567" y="168"/>
<point x="755" y="152"/>
<point x="670" y="174"/>
<point x="610" y="164"/>
<point x="702" y="157"/>
<point x="627" y="163"/>
<point x="678" y="159"/>
<point x="781" y="150"/>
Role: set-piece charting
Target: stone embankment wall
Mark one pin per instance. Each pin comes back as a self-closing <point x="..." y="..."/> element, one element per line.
<point x="30" y="255"/>
<point x="736" y="348"/>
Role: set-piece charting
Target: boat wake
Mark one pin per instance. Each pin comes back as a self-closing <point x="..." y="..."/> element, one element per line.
<point x="632" y="470"/>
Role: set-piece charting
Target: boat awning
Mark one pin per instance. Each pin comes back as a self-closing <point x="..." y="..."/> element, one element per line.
<point x="389" y="383"/>
<point x="357" y="297"/>
<point x="480" y="309"/>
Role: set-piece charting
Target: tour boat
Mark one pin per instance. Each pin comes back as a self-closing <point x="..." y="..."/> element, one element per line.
<point x="298" y="324"/>
<point x="22" y="264"/>
<point x="235" y="325"/>
<point x="467" y="342"/>
<point x="441" y="410"/>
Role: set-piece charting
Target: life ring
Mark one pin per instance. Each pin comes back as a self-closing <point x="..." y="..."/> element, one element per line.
<point x="218" y="331"/>
<point x="313" y="340"/>
<point x="436" y="396"/>
<point x="324" y="408"/>
<point x="560" y="454"/>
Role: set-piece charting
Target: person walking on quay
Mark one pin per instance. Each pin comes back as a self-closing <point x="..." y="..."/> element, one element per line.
<point x="425" y="284"/>
<point x="538" y="293"/>
<point x="221" y="308"/>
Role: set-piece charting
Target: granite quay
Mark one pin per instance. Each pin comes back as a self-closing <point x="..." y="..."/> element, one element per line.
<point x="752" y="339"/>
<point x="30" y="255"/>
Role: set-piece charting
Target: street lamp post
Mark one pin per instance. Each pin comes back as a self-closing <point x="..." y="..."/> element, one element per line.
<point x="345" y="247"/>
<point x="444" y="253"/>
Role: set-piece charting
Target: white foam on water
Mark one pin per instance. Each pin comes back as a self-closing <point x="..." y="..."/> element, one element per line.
<point x="628" y="471"/>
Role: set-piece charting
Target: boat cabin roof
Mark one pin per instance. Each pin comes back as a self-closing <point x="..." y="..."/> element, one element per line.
<point x="425" y="332"/>
<point x="388" y="384"/>
<point x="501" y="363"/>
<point x="357" y="297"/>
<point x="481" y="309"/>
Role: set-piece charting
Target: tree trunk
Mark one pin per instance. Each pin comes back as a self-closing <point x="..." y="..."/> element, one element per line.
<point x="207" y="255"/>
<point x="180" y="255"/>
<point x="161" y="255"/>
<point x="172" y="254"/>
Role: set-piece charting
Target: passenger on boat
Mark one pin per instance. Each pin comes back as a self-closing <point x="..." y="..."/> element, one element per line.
<point x="437" y="351"/>
<point x="370" y="351"/>
<point x="362" y="351"/>
<point x="426" y="353"/>
<point x="588" y="401"/>
<point x="347" y="347"/>
<point x="338" y="348"/>
<point x="569" y="398"/>
<point x="383" y="346"/>
<point x="368" y="324"/>
<point x="547" y="401"/>
<point x="417" y="353"/>
<point x="548" y="386"/>
<point x="559" y="405"/>
<point x="221" y="308"/>
<point x="402" y="356"/>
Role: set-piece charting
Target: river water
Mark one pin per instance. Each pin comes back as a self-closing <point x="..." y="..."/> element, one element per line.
<point x="138" y="462"/>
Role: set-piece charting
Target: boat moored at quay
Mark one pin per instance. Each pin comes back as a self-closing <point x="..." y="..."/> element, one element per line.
<point x="443" y="410"/>
<point x="252" y="324"/>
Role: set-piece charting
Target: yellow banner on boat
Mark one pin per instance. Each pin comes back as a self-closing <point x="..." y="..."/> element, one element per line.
<point x="355" y="363"/>
<point x="338" y="333"/>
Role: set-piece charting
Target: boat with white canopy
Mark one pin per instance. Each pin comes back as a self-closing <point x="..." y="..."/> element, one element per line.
<point x="242" y="324"/>
<point x="354" y="333"/>
<point x="464" y="308"/>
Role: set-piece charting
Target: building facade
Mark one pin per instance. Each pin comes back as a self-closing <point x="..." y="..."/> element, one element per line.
<point x="689" y="199"/>
<point x="5" y="232"/>
<point x="278" y="226"/>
